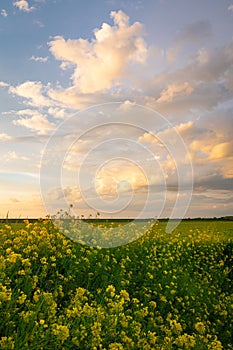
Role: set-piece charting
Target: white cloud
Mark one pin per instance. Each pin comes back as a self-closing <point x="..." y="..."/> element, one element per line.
<point x="39" y="23"/>
<point x="12" y="155"/>
<point x="39" y="58"/>
<point x="3" y="84"/>
<point x="4" y="13"/>
<point x="104" y="61"/>
<point x="23" y="5"/>
<point x="30" y="112"/>
<point x="126" y="105"/>
<point x="38" y="122"/>
<point x="59" y="113"/>
<point x="33" y="92"/>
<point x="5" y="137"/>
<point x="72" y="97"/>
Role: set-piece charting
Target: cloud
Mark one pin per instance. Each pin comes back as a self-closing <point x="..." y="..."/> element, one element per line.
<point x="30" y="112"/>
<point x="33" y="92"/>
<point x="101" y="68"/>
<point x="206" y="65"/>
<point x="184" y="128"/>
<point x="148" y="137"/>
<point x="71" y="97"/>
<point x="208" y="78"/>
<point x="70" y="193"/>
<point x="101" y="63"/>
<point x="5" y="137"/>
<point x="222" y="150"/>
<point x="168" y="133"/>
<point x="14" y="200"/>
<point x="12" y="155"/>
<point x="39" y="59"/>
<point x="175" y="90"/>
<point x="38" y="122"/>
<point x="23" y="5"/>
<point x="230" y="8"/>
<point x="39" y="23"/>
<point x="109" y="181"/>
<point x="3" y="84"/>
<point x="59" y="113"/>
<point x="4" y="13"/>
<point x="194" y="33"/>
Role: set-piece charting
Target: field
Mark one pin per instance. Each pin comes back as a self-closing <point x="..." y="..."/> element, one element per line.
<point x="163" y="291"/>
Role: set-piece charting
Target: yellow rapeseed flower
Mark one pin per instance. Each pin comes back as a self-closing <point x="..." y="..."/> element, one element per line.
<point x="200" y="327"/>
<point x="61" y="332"/>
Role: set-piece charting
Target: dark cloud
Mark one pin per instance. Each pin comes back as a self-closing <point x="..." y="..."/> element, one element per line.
<point x="213" y="182"/>
<point x="195" y="32"/>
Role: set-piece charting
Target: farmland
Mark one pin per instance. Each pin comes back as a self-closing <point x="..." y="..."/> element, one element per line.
<point x="162" y="291"/>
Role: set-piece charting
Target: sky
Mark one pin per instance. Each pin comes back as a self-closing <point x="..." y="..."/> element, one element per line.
<point x="119" y="107"/>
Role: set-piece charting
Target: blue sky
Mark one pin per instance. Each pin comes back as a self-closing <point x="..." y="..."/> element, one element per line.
<point x="59" y="58"/>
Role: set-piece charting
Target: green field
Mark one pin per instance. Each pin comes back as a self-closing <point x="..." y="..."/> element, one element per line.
<point x="163" y="291"/>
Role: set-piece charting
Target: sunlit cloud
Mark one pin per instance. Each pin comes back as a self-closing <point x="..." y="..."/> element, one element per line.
<point x="102" y="63"/>
<point x="12" y="155"/>
<point x="5" y="137"/>
<point x="33" y="92"/>
<point x="222" y="150"/>
<point x="23" y="5"/>
<point x="174" y="91"/>
<point x="3" y="84"/>
<point x="37" y="122"/>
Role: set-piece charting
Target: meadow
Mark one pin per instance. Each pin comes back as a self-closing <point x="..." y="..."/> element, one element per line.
<point x="163" y="291"/>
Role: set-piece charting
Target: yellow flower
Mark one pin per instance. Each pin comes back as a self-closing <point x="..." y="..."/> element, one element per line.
<point x="5" y="294"/>
<point x="153" y="338"/>
<point x="7" y="343"/>
<point x="185" y="340"/>
<point x="111" y="290"/>
<point x="116" y="346"/>
<point x="13" y="257"/>
<point x="215" y="345"/>
<point x="176" y="326"/>
<point x="35" y="281"/>
<point x="124" y="294"/>
<point x="200" y="327"/>
<point x="61" y="332"/>
<point x="153" y="304"/>
<point x="26" y="262"/>
<point x="43" y="261"/>
<point x="22" y="298"/>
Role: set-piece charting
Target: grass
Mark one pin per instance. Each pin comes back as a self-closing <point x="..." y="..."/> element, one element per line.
<point x="163" y="291"/>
